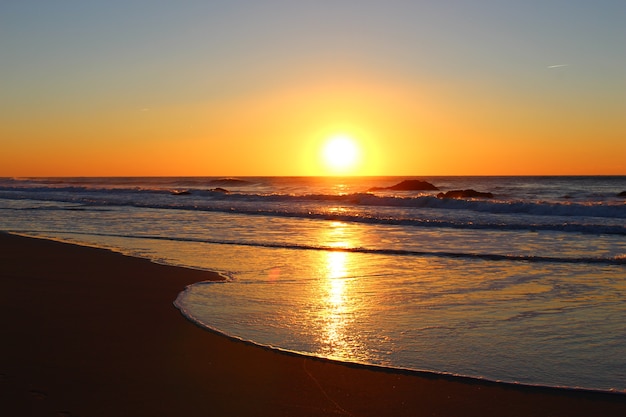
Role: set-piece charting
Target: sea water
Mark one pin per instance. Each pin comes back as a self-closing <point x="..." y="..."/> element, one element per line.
<point x="528" y="286"/>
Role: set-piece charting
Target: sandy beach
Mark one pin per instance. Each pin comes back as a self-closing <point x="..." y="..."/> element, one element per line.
<point x="89" y="332"/>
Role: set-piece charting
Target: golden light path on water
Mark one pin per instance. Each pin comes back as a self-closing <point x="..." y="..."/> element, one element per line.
<point x="344" y="298"/>
<point x="336" y="293"/>
<point x="335" y="340"/>
<point x="327" y="297"/>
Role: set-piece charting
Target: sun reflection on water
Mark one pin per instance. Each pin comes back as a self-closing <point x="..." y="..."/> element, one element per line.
<point x="339" y="305"/>
<point x="336" y="279"/>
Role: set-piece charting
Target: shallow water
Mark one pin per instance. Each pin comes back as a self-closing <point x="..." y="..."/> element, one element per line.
<point x="514" y="321"/>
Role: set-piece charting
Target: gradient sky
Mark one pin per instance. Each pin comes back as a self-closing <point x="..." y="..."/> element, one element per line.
<point x="254" y="87"/>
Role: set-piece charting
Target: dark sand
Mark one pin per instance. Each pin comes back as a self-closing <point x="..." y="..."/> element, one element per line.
<point x="88" y="332"/>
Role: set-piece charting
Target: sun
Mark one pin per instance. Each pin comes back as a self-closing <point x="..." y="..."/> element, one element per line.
<point x="340" y="154"/>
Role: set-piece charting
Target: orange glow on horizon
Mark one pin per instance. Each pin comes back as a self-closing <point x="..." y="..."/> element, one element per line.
<point x="397" y="129"/>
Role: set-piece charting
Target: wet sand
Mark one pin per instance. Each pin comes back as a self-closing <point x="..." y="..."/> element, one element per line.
<point x="89" y="332"/>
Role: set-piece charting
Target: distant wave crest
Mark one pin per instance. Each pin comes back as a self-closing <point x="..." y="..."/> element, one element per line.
<point x="614" y="260"/>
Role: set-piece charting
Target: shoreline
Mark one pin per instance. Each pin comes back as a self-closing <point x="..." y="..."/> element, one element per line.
<point x="94" y="332"/>
<point x="408" y="371"/>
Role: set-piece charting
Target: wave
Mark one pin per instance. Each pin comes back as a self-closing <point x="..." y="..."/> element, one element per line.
<point x="495" y="207"/>
<point x="418" y="211"/>
<point x="614" y="260"/>
<point x="72" y="193"/>
<point x="568" y="227"/>
<point x="107" y="196"/>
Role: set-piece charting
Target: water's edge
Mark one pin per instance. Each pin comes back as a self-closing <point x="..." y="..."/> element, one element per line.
<point x="430" y="375"/>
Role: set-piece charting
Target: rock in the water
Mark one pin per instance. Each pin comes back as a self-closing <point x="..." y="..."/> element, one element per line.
<point x="220" y="190"/>
<point x="408" y="185"/>
<point x="229" y="181"/>
<point x="622" y="194"/>
<point x="464" y="194"/>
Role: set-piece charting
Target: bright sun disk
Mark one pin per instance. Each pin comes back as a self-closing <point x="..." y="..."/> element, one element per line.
<point x="340" y="153"/>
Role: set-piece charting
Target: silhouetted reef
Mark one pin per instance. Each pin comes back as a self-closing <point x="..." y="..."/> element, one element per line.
<point x="408" y="185"/>
<point x="229" y="181"/>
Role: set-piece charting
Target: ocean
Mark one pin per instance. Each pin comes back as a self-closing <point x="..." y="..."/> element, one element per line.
<point x="525" y="285"/>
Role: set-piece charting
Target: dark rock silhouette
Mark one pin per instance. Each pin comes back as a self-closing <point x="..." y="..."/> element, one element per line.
<point x="220" y="190"/>
<point x="229" y="181"/>
<point x="408" y="185"/>
<point x="622" y="194"/>
<point x="464" y="194"/>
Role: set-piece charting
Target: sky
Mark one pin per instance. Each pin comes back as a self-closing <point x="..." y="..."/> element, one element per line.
<point x="237" y="88"/>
